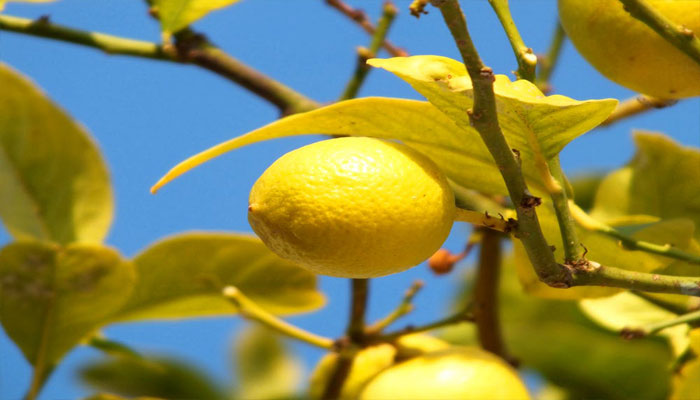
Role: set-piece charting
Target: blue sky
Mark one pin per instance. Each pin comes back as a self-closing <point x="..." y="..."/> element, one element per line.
<point x="148" y="115"/>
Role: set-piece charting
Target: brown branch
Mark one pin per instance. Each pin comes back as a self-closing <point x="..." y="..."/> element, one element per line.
<point x="635" y="106"/>
<point x="361" y="19"/>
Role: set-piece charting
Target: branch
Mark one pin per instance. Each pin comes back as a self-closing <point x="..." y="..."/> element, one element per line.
<point x="204" y="54"/>
<point x="592" y="273"/>
<point x="527" y="61"/>
<point x="634" y="333"/>
<point x="680" y="36"/>
<point x="464" y="315"/>
<point x="485" y="220"/>
<point x="364" y="54"/>
<point x="405" y="307"/>
<point x="636" y="105"/>
<point x="591" y="224"/>
<point x="361" y="19"/>
<point x="548" y="62"/>
<point x="483" y="116"/>
<point x="560" y="201"/>
<point x="250" y="310"/>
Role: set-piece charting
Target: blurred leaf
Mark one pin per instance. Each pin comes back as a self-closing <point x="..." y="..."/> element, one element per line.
<point x="557" y="340"/>
<point x="183" y="276"/>
<point x="585" y="187"/>
<point x="177" y="14"/>
<point x="661" y="180"/>
<point x="694" y="337"/>
<point x="686" y="384"/>
<point x="51" y="297"/>
<point x="3" y="2"/>
<point x="53" y="182"/>
<point x="538" y="126"/>
<point x="266" y="370"/>
<point x="626" y="310"/>
<point x="149" y="377"/>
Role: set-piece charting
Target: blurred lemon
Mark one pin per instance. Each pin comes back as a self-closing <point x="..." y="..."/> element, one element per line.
<point x="455" y="373"/>
<point x="630" y="53"/>
<point x="353" y="207"/>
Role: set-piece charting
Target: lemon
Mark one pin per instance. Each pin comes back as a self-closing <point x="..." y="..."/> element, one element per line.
<point x="455" y="373"/>
<point x="630" y="53"/>
<point x="353" y="207"/>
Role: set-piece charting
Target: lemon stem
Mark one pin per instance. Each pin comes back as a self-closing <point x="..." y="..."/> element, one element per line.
<point x="250" y="310"/>
<point x="485" y="220"/>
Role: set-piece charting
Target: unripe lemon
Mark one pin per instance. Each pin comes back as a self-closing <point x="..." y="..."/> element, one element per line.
<point x="630" y="53"/>
<point x="353" y="207"/>
<point x="369" y="362"/>
<point x="456" y="373"/>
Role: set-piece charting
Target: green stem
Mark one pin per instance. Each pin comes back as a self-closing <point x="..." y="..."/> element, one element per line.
<point x="683" y="319"/>
<point x="206" y="56"/>
<point x="251" y="310"/>
<point x="595" y="274"/>
<point x="363" y="54"/>
<point x="549" y="62"/>
<point x="484" y="118"/>
<point x="405" y="307"/>
<point x="560" y="202"/>
<point x="463" y="315"/>
<point x="636" y="105"/>
<point x="629" y="243"/>
<point x="680" y="36"/>
<point x="527" y="61"/>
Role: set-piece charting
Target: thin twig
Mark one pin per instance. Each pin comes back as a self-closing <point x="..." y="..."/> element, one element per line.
<point x="680" y="36"/>
<point x="464" y="315"/>
<point x="592" y="273"/>
<point x="560" y="202"/>
<point x="405" y="307"/>
<point x="548" y="63"/>
<point x="389" y="12"/>
<point x="203" y="54"/>
<point x="636" y="105"/>
<point x="651" y="329"/>
<point x="361" y="19"/>
<point x="485" y="220"/>
<point x="527" y="61"/>
<point x="592" y="224"/>
<point x="249" y="309"/>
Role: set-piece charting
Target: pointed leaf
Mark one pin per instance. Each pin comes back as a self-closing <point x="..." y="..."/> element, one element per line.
<point x="54" y="184"/>
<point x="266" y="370"/>
<point x="51" y="297"/>
<point x="626" y="310"/>
<point x="538" y="126"/>
<point x="177" y="14"/>
<point x="183" y="276"/>
<point x="460" y="153"/>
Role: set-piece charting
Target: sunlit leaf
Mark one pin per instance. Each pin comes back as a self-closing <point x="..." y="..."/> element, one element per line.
<point x="53" y="182"/>
<point x="626" y="310"/>
<point x="51" y="297"/>
<point x="686" y="384"/>
<point x="3" y="2"/>
<point x="183" y="276"/>
<point x="558" y="341"/>
<point x="266" y="369"/>
<point x="538" y="126"/>
<point x="149" y="377"/>
<point x="177" y="14"/>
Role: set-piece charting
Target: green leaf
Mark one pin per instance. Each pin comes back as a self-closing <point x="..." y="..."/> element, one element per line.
<point x="626" y="310"/>
<point x="265" y="368"/>
<point x="54" y="184"/>
<point x="461" y="154"/>
<point x="585" y="186"/>
<point x="149" y="377"/>
<point x="183" y="276"/>
<point x="51" y="296"/>
<point x="538" y="126"/>
<point x="177" y="14"/>
<point x="661" y="180"/>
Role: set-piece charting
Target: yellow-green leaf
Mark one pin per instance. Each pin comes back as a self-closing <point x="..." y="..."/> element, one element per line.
<point x="54" y="184"/>
<point x="626" y="310"/>
<point x="3" y="2"/>
<point x="266" y="370"/>
<point x="183" y="276"/>
<point x="51" y="296"/>
<point x="538" y="126"/>
<point x="458" y="152"/>
<point x="686" y="384"/>
<point x="177" y="14"/>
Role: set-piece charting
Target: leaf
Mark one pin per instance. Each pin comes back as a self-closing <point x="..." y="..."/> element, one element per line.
<point x="3" y="2"/>
<point x="149" y="377"/>
<point x="661" y="180"/>
<point x="538" y="126"/>
<point x="461" y="154"/>
<point x="626" y="310"/>
<point x="265" y="368"/>
<point x="559" y="342"/>
<point x="54" y="184"/>
<point x="177" y="14"/>
<point x="183" y="276"/>
<point x="51" y="296"/>
<point x="686" y="384"/>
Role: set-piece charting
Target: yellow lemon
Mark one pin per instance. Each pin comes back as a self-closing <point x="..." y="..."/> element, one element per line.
<point x="630" y="53"/>
<point x="353" y="207"/>
<point x="456" y="373"/>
